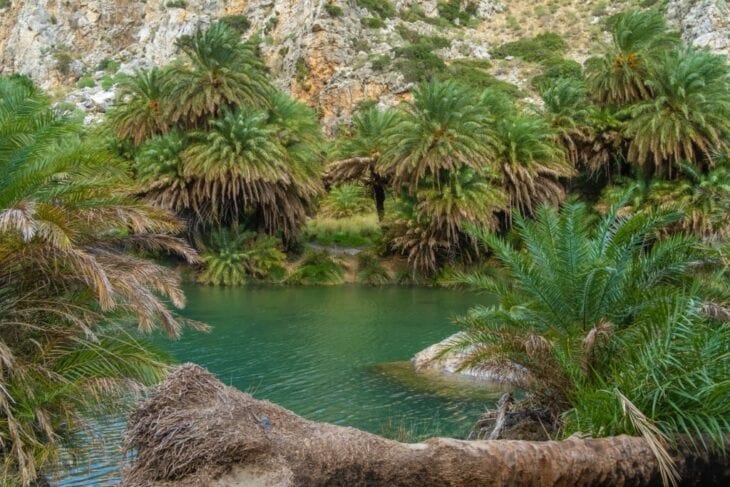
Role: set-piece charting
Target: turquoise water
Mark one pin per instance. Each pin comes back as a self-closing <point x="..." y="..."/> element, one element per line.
<point x="319" y="352"/>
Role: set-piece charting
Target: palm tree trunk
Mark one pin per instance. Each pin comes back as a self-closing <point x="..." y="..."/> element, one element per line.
<point x="379" y="197"/>
<point x="197" y="431"/>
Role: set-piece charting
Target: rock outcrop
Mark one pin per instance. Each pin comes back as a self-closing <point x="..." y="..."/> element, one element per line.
<point x="704" y="23"/>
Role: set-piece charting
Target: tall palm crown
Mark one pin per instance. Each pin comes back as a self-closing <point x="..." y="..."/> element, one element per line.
<point x="240" y="169"/>
<point x="218" y="71"/>
<point x="619" y="76"/>
<point x="688" y="117"/>
<point x="67" y="219"/>
<point x="357" y="156"/>
<point x="141" y="109"/>
<point x="441" y="130"/>
<point x="567" y="110"/>
<point x="530" y="161"/>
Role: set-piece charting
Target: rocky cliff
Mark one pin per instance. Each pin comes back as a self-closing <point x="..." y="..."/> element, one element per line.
<point x="323" y="51"/>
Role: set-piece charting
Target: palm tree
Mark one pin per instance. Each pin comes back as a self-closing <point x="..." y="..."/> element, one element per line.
<point x="620" y="75"/>
<point x="358" y="156"/>
<point x="435" y="229"/>
<point x="688" y="117"/>
<point x="567" y="110"/>
<point x="239" y="168"/>
<point x="442" y="130"/>
<point x="68" y="216"/>
<point x="604" y="320"/>
<point x="218" y="72"/>
<point x="531" y="163"/>
<point x="141" y="109"/>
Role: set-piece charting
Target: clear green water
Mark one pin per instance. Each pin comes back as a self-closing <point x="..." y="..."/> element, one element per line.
<point x="320" y="352"/>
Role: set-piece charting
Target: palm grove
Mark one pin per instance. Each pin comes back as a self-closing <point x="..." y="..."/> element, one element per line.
<point x="599" y="218"/>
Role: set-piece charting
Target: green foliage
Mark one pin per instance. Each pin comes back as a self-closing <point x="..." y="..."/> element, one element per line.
<point x="372" y="22"/>
<point x="383" y="9"/>
<point x="107" y="82"/>
<point x="380" y="63"/>
<point x="141" y="107"/>
<point x="638" y="38"/>
<point x="232" y="257"/>
<point x="176" y="4"/>
<point x="416" y="61"/>
<point x="452" y="11"/>
<point x="536" y="49"/>
<point x="218" y="72"/>
<point x="607" y="322"/>
<point x="317" y="269"/>
<point x="554" y="70"/>
<point x="64" y="58"/>
<point x="109" y="65"/>
<point x="474" y="74"/>
<point x="355" y="231"/>
<point x="688" y="116"/>
<point x="345" y="201"/>
<point x="5" y="3"/>
<point x="333" y="10"/>
<point x="238" y="23"/>
<point x="426" y="41"/>
<point x="86" y="82"/>
<point x="68" y="216"/>
<point x="370" y="270"/>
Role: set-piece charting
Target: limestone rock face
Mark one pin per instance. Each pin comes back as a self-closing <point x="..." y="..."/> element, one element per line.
<point x="704" y="23"/>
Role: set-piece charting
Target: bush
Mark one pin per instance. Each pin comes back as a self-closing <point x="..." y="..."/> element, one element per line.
<point x="370" y="271"/>
<point x="414" y="38"/>
<point x="109" y="65"/>
<point x="176" y="4"/>
<point x="86" y="82"/>
<point x="356" y="231"/>
<point x="107" y="82"/>
<point x="347" y="200"/>
<point x="555" y="69"/>
<point x="232" y="257"/>
<point x="239" y="23"/>
<point x="333" y="10"/>
<point x="383" y="9"/>
<point x="372" y="22"/>
<point x="452" y="11"/>
<point x="473" y="73"/>
<point x="379" y="63"/>
<point x="318" y="269"/>
<point x="536" y="49"/>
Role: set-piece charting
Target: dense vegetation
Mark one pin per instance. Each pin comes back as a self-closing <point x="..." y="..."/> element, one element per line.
<point x="607" y="206"/>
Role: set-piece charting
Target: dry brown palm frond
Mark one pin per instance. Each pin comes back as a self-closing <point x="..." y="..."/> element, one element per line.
<point x="600" y="333"/>
<point x="656" y="440"/>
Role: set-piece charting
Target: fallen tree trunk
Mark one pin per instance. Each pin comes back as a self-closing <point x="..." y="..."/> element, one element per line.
<point x="193" y="430"/>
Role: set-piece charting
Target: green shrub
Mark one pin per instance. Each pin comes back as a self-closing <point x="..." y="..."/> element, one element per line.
<point x="4" y="3"/>
<point x="301" y="70"/>
<point x="372" y="22"/>
<point x="318" y="269"/>
<point x="452" y="11"/>
<point x="416" y="39"/>
<point x="109" y="65"/>
<point x="176" y="4"/>
<point x="356" y="231"/>
<point x="416" y="61"/>
<point x="107" y="82"/>
<point x="86" y="82"/>
<point x="379" y="63"/>
<point x="535" y="49"/>
<point x="239" y="23"/>
<point x="370" y="271"/>
<point x="383" y="9"/>
<point x="473" y="73"/>
<point x="232" y="257"/>
<point x="555" y="69"/>
<point x="333" y="10"/>
<point x="347" y="200"/>
<point x="64" y="58"/>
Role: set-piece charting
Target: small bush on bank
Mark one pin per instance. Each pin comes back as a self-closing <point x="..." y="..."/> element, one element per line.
<point x="317" y="269"/>
<point x="372" y="22"/>
<point x="356" y="231"/>
<point x="453" y="11"/>
<point x="370" y="271"/>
